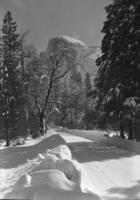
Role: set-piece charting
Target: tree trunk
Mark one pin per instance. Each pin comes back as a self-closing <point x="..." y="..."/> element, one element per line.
<point x="71" y="121"/>
<point x="7" y="132"/>
<point x="76" y="119"/>
<point x="7" y="137"/>
<point x="130" y="131"/>
<point x="122" y="130"/>
<point x="42" y="124"/>
<point x="137" y="132"/>
<point x="27" y="120"/>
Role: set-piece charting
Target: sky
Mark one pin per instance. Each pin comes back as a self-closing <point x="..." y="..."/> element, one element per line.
<point x="46" y="19"/>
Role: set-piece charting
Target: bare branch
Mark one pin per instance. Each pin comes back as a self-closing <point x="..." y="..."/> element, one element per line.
<point x="49" y="91"/>
<point x="38" y="107"/>
<point x="61" y="76"/>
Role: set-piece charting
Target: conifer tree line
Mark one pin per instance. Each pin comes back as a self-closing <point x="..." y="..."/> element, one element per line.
<point x="118" y="80"/>
<point x="32" y="93"/>
<point x="10" y="87"/>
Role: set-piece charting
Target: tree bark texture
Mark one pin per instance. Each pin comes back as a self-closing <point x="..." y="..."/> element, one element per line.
<point x="130" y="131"/>
<point x="42" y="124"/>
<point x="122" y="130"/>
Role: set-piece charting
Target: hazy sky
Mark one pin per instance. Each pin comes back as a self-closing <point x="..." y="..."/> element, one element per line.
<point x="50" y="18"/>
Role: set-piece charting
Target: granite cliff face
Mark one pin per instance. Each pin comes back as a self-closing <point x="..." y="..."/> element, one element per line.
<point x="82" y="53"/>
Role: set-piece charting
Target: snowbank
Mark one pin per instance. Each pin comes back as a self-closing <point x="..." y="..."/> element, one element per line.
<point x="99" y="136"/>
<point x="28" y="141"/>
<point x="22" y="165"/>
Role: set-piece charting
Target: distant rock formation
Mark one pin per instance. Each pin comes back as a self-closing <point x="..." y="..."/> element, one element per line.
<point x="82" y="53"/>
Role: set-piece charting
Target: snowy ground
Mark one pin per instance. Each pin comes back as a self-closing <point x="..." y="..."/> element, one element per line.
<point x="16" y="161"/>
<point x="113" y="168"/>
<point x="13" y="160"/>
<point x="100" y="136"/>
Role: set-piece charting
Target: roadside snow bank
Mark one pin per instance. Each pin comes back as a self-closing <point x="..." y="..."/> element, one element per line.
<point x="99" y="136"/>
<point x="23" y="162"/>
<point x="18" y="160"/>
<point x="28" y="141"/>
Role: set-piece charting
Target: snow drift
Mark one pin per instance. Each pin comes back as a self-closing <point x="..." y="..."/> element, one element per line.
<point x="45" y="168"/>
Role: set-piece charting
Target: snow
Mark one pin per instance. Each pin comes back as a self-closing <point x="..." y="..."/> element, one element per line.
<point x="23" y="171"/>
<point x="46" y="162"/>
<point x="131" y="30"/>
<point x="108" y="166"/>
<point x="100" y="136"/>
<point x="117" y="89"/>
<point x="62" y="152"/>
<point x="112" y="113"/>
<point x="109" y="98"/>
<point x="73" y="40"/>
<point x="131" y="7"/>
<point x="23" y="181"/>
<point x="54" y="179"/>
<point x="112" y="41"/>
<point x="131" y="101"/>
<point x="63" y="195"/>
<point x="112" y="168"/>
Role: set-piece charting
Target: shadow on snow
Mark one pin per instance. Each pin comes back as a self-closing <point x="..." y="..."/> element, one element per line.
<point x="95" y="151"/>
<point x="14" y="156"/>
<point x="127" y="192"/>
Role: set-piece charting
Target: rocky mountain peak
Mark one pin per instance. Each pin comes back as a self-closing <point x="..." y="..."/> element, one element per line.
<point x="85" y="55"/>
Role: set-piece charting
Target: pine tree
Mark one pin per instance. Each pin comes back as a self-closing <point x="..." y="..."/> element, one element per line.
<point x="119" y="72"/>
<point x="75" y="76"/>
<point x="10" y="87"/>
<point x="88" y="86"/>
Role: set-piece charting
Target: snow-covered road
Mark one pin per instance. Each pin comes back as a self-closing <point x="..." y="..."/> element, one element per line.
<point x="113" y="172"/>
